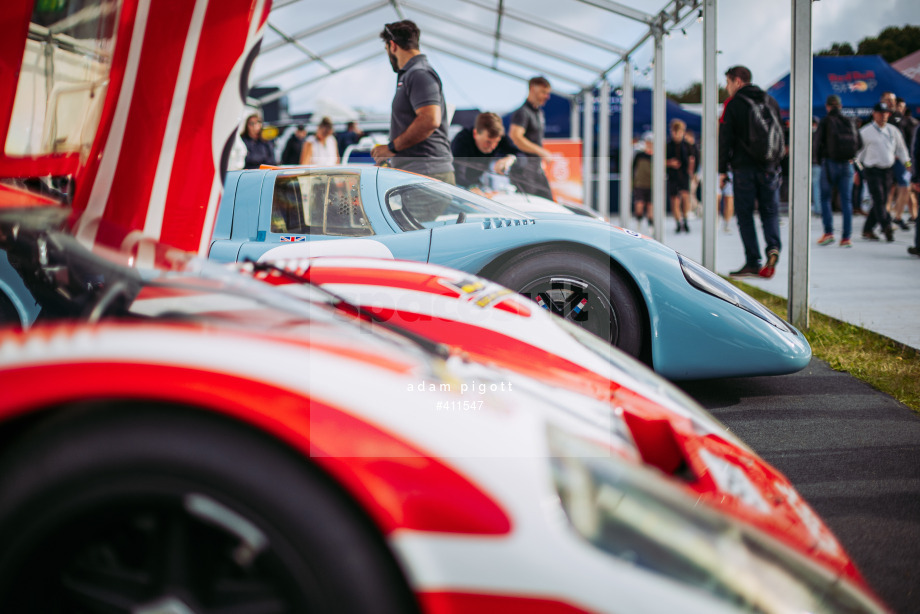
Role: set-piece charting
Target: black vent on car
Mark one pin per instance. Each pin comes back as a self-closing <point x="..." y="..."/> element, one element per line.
<point x="502" y="222"/>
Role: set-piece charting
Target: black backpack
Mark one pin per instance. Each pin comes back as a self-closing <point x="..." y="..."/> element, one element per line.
<point x="843" y="141"/>
<point x="764" y="141"/>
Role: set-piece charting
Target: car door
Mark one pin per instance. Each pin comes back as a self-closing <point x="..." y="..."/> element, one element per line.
<point x="327" y="211"/>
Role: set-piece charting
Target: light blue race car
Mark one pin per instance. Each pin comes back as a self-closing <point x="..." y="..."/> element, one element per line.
<point x="643" y="297"/>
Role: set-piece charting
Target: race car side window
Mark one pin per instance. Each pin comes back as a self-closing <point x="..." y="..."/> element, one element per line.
<point x="433" y="203"/>
<point x="319" y="204"/>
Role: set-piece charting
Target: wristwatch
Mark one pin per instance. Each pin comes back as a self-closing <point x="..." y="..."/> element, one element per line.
<point x="392" y="147"/>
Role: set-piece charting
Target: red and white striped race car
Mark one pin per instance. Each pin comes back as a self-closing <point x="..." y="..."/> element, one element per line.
<point x="492" y="325"/>
<point x="205" y="442"/>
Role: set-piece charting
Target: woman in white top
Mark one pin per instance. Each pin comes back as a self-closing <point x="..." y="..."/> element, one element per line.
<point x="321" y="149"/>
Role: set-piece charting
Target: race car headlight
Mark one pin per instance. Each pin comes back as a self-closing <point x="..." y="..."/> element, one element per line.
<point x="643" y="520"/>
<point x="703" y="279"/>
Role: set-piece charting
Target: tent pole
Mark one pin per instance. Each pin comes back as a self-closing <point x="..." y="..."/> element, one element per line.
<point x="603" y="150"/>
<point x="710" y="135"/>
<point x="659" y="127"/>
<point x="574" y="118"/>
<point x="800" y="112"/>
<point x="626" y="146"/>
<point x="587" y="150"/>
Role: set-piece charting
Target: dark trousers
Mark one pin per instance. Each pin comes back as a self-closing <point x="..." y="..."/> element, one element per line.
<point x="917" y="234"/>
<point x="529" y="177"/>
<point x="878" y="181"/>
<point x="760" y="188"/>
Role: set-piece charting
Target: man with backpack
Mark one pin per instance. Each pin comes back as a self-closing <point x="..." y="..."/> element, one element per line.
<point x="751" y="145"/>
<point x="838" y="142"/>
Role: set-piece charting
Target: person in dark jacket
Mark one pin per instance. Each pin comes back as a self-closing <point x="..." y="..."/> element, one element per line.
<point x="291" y="152"/>
<point x="915" y="186"/>
<point x="836" y="168"/>
<point x="754" y="181"/>
<point x="258" y="150"/>
<point x="476" y="149"/>
<point x="906" y="198"/>
<point x="351" y="136"/>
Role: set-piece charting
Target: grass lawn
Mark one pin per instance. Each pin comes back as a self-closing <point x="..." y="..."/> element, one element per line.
<point x="881" y="362"/>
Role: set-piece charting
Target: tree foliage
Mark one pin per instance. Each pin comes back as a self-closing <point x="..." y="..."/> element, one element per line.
<point x="693" y="93"/>
<point x="838" y="49"/>
<point x="892" y="43"/>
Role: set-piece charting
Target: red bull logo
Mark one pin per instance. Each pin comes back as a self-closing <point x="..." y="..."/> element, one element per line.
<point x="852" y="75"/>
<point x="853" y="81"/>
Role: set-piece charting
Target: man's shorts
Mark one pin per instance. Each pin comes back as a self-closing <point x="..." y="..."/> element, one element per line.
<point x="901" y="174"/>
<point x="677" y="184"/>
<point x="643" y="195"/>
<point x="728" y="189"/>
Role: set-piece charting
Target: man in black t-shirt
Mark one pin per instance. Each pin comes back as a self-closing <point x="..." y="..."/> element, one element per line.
<point x="527" y="128"/>
<point x="679" y="161"/>
<point x="476" y="149"/>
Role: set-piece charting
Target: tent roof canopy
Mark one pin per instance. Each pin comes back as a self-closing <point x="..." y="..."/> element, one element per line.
<point x="505" y="36"/>
<point x="859" y="80"/>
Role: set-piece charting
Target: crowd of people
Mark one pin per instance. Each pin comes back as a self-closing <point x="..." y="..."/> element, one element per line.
<point x="846" y="158"/>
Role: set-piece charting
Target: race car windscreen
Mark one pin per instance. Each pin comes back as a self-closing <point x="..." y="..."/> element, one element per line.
<point x="433" y="203"/>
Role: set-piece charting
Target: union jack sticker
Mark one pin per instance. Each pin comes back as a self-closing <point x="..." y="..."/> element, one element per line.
<point x="292" y="238"/>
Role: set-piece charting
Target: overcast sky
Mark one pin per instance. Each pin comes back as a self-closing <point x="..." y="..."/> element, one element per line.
<point x="755" y="33"/>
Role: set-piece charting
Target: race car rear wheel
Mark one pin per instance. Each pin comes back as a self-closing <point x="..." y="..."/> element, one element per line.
<point x="580" y="288"/>
<point x="144" y="509"/>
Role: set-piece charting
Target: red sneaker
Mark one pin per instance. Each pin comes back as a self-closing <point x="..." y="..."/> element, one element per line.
<point x="826" y="239"/>
<point x="770" y="268"/>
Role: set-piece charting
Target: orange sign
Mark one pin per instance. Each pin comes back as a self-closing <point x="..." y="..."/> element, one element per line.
<point x="563" y="170"/>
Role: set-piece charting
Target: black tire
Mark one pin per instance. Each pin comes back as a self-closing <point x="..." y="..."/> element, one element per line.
<point x="559" y="279"/>
<point x="118" y="509"/>
<point x="8" y="313"/>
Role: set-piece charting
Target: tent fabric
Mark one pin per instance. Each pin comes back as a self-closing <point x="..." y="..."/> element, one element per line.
<point x="909" y="66"/>
<point x="859" y="80"/>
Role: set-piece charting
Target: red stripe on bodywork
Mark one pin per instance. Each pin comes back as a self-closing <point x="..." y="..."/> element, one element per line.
<point x="195" y="165"/>
<point x="14" y="24"/>
<point x="490" y="346"/>
<point x="11" y="196"/>
<point x="164" y="40"/>
<point x="464" y="603"/>
<point x="317" y="273"/>
<point x="87" y="175"/>
<point x="399" y="485"/>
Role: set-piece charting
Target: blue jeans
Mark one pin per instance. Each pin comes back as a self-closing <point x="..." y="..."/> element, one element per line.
<point x="760" y="187"/>
<point x="837" y="175"/>
<point x="816" y="187"/>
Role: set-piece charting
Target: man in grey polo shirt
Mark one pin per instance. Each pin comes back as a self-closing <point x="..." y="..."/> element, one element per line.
<point x="527" y="127"/>
<point x="418" y="120"/>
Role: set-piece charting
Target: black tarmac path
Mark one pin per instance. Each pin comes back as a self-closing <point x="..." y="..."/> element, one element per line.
<point x="851" y="451"/>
